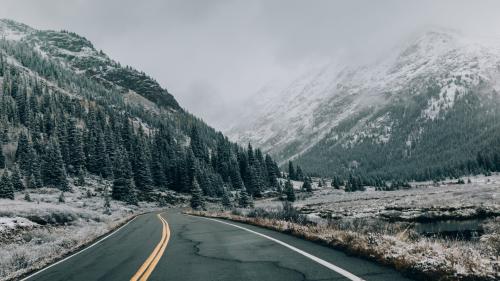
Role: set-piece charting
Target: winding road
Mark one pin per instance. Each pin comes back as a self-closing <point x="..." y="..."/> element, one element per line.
<point x="177" y="247"/>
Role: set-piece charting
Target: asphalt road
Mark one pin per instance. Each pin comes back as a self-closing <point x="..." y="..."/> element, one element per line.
<point x="192" y="248"/>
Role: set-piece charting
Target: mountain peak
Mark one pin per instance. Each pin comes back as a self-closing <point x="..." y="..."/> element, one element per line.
<point x="333" y="112"/>
<point x="12" y="30"/>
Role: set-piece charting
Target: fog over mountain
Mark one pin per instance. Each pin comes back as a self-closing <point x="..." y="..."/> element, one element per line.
<point x="214" y="55"/>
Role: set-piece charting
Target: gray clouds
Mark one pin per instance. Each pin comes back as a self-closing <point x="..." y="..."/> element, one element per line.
<point x="212" y="55"/>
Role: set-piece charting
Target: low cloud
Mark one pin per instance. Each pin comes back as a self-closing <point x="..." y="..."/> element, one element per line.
<point x="213" y="55"/>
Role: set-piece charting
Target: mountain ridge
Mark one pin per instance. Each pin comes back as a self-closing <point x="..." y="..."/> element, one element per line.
<point x="79" y="54"/>
<point x="345" y="106"/>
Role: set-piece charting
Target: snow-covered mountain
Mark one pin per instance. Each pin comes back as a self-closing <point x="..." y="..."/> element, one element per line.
<point x="79" y="55"/>
<point x="336" y="111"/>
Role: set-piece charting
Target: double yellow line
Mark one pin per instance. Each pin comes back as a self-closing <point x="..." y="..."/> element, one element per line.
<point x="149" y="265"/>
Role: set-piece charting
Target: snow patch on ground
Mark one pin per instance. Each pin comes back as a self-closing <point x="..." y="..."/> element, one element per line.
<point x="10" y="224"/>
<point x="33" y="234"/>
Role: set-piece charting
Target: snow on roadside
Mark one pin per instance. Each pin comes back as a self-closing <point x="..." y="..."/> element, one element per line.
<point x="34" y="234"/>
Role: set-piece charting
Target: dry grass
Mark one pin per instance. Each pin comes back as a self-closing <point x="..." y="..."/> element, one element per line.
<point x="37" y="233"/>
<point x="424" y="258"/>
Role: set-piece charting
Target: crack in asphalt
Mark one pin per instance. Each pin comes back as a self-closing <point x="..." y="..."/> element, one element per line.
<point x="197" y="251"/>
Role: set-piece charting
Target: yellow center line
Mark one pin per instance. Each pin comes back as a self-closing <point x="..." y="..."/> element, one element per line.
<point x="158" y="256"/>
<point x="149" y="265"/>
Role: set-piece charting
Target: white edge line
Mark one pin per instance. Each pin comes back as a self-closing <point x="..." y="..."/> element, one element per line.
<point x="79" y="252"/>
<point x="324" y="263"/>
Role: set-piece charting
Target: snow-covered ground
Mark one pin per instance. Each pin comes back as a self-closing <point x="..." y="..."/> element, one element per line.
<point x="424" y="200"/>
<point x="380" y="225"/>
<point x="33" y="234"/>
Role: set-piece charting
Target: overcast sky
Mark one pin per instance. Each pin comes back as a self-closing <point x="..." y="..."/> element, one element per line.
<point x="212" y="55"/>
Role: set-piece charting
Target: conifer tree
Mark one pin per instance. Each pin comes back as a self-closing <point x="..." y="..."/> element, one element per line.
<point x="291" y="171"/>
<point x="254" y="184"/>
<point x="299" y="175"/>
<point x="306" y="186"/>
<point x="226" y="201"/>
<point x="23" y="152"/>
<point x="123" y="186"/>
<point x="158" y="173"/>
<point x="6" y="189"/>
<point x="197" y="145"/>
<point x="289" y="192"/>
<point x="76" y="153"/>
<point x="54" y="173"/>
<point x="2" y="158"/>
<point x="142" y="172"/>
<point x="250" y="155"/>
<point x="35" y="173"/>
<point x="272" y="171"/>
<point x="80" y="180"/>
<point x="197" y="202"/>
<point x="30" y="182"/>
<point x="244" y="199"/>
<point x="15" y="179"/>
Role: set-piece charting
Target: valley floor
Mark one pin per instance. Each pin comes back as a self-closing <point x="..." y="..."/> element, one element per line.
<point x="443" y="231"/>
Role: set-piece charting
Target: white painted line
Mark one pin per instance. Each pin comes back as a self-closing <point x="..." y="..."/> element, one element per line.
<point x="324" y="263"/>
<point x="79" y="252"/>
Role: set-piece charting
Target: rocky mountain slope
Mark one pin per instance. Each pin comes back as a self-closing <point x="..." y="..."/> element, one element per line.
<point x="426" y="109"/>
<point x="78" y="54"/>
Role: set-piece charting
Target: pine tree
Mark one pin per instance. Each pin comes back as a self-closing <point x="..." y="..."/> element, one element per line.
<point x="271" y="171"/>
<point x="27" y="197"/>
<point x="15" y="179"/>
<point x="123" y="186"/>
<point x="306" y="186"/>
<point x="197" y="145"/>
<point x="80" y="180"/>
<point x="254" y="185"/>
<point x="299" y="175"/>
<point x="76" y="153"/>
<point x="291" y="171"/>
<point x="162" y="202"/>
<point x="289" y="192"/>
<point x="23" y="153"/>
<point x="142" y="172"/>
<point x="35" y="172"/>
<point x="197" y="201"/>
<point x="158" y="173"/>
<point x="250" y="155"/>
<point x="6" y="189"/>
<point x="244" y="199"/>
<point x="54" y="173"/>
<point x="2" y="158"/>
<point x="30" y="182"/>
<point x="236" y="180"/>
<point x="226" y="201"/>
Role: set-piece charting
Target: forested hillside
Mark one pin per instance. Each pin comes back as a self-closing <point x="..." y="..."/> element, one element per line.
<point x="67" y="111"/>
<point x="427" y="110"/>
